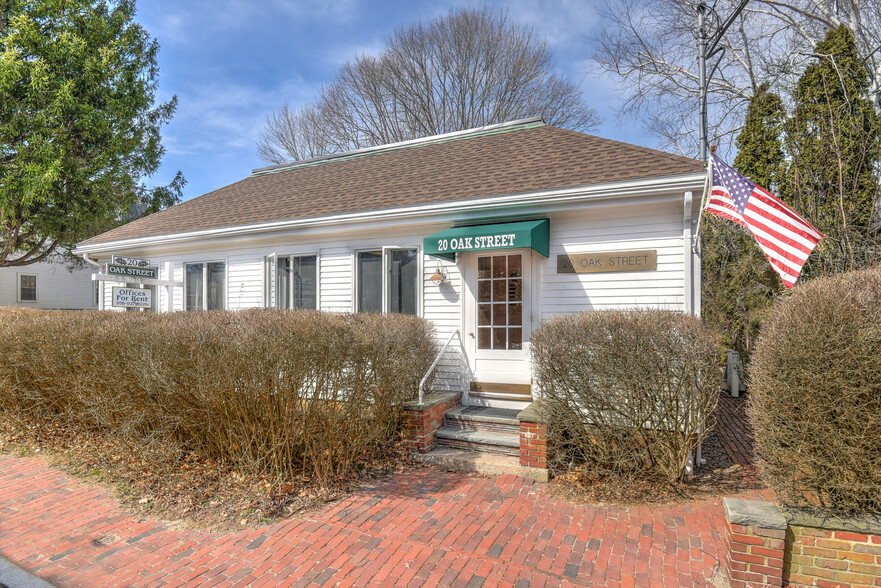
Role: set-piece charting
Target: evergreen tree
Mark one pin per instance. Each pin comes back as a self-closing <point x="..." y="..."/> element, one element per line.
<point x="833" y="140"/>
<point x="738" y="281"/>
<point x="79" y="127"/>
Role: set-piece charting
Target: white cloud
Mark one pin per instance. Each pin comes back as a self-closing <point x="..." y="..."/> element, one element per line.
<point x="560" y="22"/>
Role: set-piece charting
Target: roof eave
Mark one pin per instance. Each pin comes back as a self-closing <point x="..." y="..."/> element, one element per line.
<point x="591" y="192"/>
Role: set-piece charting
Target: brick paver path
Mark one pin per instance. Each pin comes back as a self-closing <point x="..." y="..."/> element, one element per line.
<point x="733" y="429"/>
<point x="422" y="527"/>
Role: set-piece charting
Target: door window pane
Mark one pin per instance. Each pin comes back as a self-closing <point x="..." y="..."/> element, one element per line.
<point x="370" y="281"/>
<point x="499" y="270"/>
<point x="483" y="338"/>
<point x="217" y="285"/>
<point x="500" y="293"/>
<point x="283" y="283"/>
<point x="193" y="284"/>
<point x="483" y="271"/>
<point x="305" y="282"/>
<point x="484" y="312"/>
<point x="484" y="288"/>
<point x="402" y="285"/>
<point x="27" y="288"/>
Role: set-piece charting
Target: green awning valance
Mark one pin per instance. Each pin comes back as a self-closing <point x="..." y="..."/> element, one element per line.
<point x="535" y="234"/>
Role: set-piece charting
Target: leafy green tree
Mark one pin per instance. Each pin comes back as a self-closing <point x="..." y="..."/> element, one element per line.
<point x="738" y="281"/>
<point x="833" y="140"/>
<point x="79" y="130"/>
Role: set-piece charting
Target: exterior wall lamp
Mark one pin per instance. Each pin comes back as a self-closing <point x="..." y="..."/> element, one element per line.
<point x="439" y="276"/>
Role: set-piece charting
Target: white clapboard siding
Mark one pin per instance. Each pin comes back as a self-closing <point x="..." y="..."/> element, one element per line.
<point x="442" y="304"/>
<point x="336" y="269"/>
<point x="57" y="288"/>
<point x="244" y="278"/>
<point x="653" y="228"/>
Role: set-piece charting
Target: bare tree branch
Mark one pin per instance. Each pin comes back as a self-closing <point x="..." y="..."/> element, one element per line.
<point x="467" y="69"/>
<point x="652" y="48"/>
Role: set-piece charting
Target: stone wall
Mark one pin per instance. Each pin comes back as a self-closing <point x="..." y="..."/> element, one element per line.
<point x="825" y="557"/>
<point x="421" y="421"/>
<point x="765" y="548"/>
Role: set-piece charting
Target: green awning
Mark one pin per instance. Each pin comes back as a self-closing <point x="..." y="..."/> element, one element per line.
<point x="535" y="234"/>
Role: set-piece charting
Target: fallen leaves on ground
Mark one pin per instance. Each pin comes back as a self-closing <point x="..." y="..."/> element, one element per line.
<point x="160" y="479"/>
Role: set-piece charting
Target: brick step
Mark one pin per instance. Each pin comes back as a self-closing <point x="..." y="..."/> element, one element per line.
<point x="481" y="418"/>
<point x="480" y="441"/>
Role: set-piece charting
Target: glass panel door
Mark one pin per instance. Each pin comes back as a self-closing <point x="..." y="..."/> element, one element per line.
<point x="500" y="302"/>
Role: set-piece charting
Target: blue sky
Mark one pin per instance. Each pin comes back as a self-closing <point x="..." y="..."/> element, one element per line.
<point x="232" y="62"/>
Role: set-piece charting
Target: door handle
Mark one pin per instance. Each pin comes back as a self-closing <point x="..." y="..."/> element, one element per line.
<point x="471" y="333"/>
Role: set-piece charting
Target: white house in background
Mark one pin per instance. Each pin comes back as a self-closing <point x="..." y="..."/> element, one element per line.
<point x="49" y="285"/>
<point x="487" y="232"/>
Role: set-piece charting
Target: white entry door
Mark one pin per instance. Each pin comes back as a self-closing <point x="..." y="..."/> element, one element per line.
<point x="498" y="294"/>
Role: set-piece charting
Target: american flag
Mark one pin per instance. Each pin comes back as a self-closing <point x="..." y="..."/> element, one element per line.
<point x="785" y="237"/>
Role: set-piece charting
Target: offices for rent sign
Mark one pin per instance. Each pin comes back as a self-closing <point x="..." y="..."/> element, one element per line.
<point x="132" y="297"/>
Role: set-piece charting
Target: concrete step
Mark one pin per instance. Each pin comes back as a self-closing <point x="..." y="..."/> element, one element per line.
<point x="483" y="418"/>
<point x="480" y="441"/>
<point x="481" y="463"/>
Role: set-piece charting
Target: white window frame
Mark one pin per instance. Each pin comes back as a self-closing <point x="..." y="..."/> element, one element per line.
<point x="385" y="275"/>
<point x="274" y="298"/>
<point x="18" y="277"/>
<point x="205" y="263"/>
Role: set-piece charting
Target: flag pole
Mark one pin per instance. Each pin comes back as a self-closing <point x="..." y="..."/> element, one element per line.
<point x="700" y="214"/>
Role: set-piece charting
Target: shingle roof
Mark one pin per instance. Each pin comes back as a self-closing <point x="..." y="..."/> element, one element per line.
<point x="519" y="160"/>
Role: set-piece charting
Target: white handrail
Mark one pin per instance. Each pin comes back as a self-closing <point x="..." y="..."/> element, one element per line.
<point x="434" y="365"/>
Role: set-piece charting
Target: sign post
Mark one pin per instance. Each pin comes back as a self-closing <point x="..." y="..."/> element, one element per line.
<point x="124" y="270"/>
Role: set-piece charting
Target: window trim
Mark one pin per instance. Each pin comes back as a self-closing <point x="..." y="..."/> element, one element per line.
<point x="18" y="277"/>
<point x="385" y="275"/>
<point x="205" y="263"/>
<point x="274" y="298"/>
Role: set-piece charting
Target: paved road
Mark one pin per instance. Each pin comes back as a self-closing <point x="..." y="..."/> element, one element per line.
<point x="11" y="576"/>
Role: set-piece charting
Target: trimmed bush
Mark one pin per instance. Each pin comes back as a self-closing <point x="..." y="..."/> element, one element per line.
<point x="629" y="391"/>
<point x="815" y="394"/>
<point x="278" y="393"/>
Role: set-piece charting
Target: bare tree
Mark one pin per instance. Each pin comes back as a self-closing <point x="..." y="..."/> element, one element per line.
<point x="467" y="69"/>
<point x="651" y="46"/>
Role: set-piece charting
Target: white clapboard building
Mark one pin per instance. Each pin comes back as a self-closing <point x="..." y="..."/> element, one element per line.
<point x="48" y="285"/>
<point x="486" y="233"/>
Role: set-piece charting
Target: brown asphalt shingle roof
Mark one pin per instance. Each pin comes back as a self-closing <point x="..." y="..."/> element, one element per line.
<point x="516" y="161"/>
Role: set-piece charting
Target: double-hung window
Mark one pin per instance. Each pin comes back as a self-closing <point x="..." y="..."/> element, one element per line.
<point x="387" y="280"/>
<point x="296" y="282"/>
<point x="27" y="288"/>
<point x="205" y="285"/>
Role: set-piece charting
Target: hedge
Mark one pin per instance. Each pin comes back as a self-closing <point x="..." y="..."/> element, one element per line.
<point x="279" y="393"/>
<point x="815" y="394"/>
<point x="629" y="391"/>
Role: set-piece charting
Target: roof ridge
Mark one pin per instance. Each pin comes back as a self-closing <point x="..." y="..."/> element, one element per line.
<point x="505" y="127"/>
<point x="629" y="146"/>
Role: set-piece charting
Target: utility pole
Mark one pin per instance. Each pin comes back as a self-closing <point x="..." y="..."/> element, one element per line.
<point x="702" y="75"/>
<point x="708" y="47"/>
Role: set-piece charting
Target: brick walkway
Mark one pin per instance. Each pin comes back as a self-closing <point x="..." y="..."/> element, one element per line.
<point x="733" y="429"/>
<point x="422" y="527"/>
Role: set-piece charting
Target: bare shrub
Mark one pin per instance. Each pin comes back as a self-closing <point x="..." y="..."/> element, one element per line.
<point x="815" y="396"/>
<point x="277" y="393"/>
<point x="628" y="391"/>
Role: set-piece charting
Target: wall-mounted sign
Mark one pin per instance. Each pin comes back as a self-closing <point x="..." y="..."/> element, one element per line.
<point x="607" y="261"/>
<point x="130" y="261"/>
<point x="132" y="297"/>
<point x="134" y="272"/>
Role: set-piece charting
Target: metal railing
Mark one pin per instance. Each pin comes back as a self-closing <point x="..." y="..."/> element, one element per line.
<point x="434" y="365"/>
